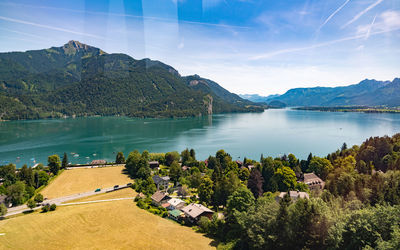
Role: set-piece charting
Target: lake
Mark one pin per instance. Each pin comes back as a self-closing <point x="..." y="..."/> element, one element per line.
<point x="272" y="133"/>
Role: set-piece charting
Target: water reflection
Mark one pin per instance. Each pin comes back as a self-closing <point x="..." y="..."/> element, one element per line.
<point x="273" y="132"/>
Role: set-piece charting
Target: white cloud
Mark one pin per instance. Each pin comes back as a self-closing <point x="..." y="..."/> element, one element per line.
<point x="387" y="21"/>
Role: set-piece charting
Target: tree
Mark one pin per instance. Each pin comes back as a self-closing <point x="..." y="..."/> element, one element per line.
<point x="183" y="191"/>
<point x="224" y="187"/>
<point x="320" y="166"/>
<point x="255" y="183"/>
<point x="38" y="198"/>
<point x="206" y="189"/>
<point x="16" y="193"/>
<point x="3" y="209"/>
<point x="25" y="174"/>
<point x="120" y="158"/>
<point x="195" y="180"/>
<point x="40" y="178"/>
<point x="175" y="171"/>
<point x="8" y="174"/>
<point x="244" y="174"/>
<point x="64" y="163"/>
<point x="132" y="163"/>
<point x="268" y="170"/>
<point x="53" y="207"/>
<point x="31" y="204"/>
<point x="171" y="157"/>
<point x="185" y="155"/>
<point x="193" y="154"/>
<point x="285" y="178"/>
<point x="282" y="223"/>
<point x="241" y="200"/>
<point x="54" y="163"/>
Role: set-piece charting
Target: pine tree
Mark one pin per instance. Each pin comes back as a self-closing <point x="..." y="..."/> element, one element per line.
<point x="64" y="161"/>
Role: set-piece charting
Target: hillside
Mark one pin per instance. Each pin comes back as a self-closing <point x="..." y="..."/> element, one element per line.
<point x="365" y="93"/>
<point x="79" y="80"/>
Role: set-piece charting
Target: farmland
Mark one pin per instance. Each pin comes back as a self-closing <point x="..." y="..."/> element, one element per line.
<point x="107" y="225"/>
<point x="83" y="180"/>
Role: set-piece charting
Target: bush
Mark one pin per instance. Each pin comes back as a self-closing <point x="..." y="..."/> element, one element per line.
<point x="53" y="207"/>
<point x="38" y="198"/>
<point x="45" y="208"/>
<point x="31" y="204"/>
<point x="204" y="224"/>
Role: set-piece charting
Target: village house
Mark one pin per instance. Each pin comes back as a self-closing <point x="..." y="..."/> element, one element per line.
<point x="294" y="195"/>
<point x="176" y="214"/>
<point x="154" y="164"/>
<point x="176" y="203"/>
<point x="161" y="181"/>
<point x="184" y="168"/>
<point x="159" y="198"/>
<point x="194" y="212"/>
<point x="313" y="181"/>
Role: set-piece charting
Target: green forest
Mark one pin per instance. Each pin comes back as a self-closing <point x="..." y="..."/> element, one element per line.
<point x="359" y="207"/>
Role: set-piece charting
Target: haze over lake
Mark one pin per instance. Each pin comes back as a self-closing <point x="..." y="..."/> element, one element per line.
<point x="272" y="133"/>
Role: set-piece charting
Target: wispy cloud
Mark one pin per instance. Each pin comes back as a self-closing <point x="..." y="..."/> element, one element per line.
<point x="318" y="45"/>
<point x="47" y="27"/>
<point x="333" y="14"/>
<point x="23" y="33"/>
<point x="369" y="29"/>
<point x="355" y="18"/>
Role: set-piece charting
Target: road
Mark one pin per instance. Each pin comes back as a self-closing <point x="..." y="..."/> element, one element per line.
<point x="59" y="200"/>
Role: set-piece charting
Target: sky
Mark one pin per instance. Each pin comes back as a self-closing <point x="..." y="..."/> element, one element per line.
<point x="247" y="46"/>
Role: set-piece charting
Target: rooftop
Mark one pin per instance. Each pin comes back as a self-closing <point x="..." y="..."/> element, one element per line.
<point x="194" y="210"/>
<point x="158" y="196"/>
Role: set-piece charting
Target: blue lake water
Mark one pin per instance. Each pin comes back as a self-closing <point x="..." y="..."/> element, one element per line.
<point x="272" y="133"/>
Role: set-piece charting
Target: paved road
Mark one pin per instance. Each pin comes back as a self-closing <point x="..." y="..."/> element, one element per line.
<point x="59" y="200"/>
<point x="96" y="201"/>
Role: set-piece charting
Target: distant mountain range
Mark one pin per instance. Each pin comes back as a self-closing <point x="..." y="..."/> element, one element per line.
<point x="366" y="93"/>
<point x="257" y="98"/>
<point x="78" y="80"/>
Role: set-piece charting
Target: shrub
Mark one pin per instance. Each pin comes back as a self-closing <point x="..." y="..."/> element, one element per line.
<point x="53" y="207"/>
<point x="45" y="208"/>
<point x="204" y="224"/>
<point x="38" y="198"/>
<point x="31" y="204"/>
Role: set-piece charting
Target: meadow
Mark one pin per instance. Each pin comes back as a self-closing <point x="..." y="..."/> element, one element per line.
<point x="86" y="179"/>
<point x="106" y="225"/>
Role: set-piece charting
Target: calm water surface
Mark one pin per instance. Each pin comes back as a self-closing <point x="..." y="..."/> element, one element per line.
<point x="273" y="133"/>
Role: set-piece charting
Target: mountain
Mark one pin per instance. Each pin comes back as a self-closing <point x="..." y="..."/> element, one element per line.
<point x="222" y="99"/>
<point x="365" y="93"/>
<point x="257" y="98"/>
<point x="78" y="80"/>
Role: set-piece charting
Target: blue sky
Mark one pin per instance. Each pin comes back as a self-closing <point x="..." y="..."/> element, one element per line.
<point x="247" y="46"/>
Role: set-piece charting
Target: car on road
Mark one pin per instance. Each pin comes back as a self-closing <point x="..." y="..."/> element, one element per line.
<point x="129" y="184"/>
<point x="116" y="187"/>
<point x="98" y="190"/>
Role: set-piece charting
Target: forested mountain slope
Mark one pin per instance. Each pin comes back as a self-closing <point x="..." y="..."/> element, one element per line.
<point x="365" y="93"/>
<point x="78" y="80"/>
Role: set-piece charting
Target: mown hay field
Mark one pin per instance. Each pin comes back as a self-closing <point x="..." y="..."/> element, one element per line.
<point x="106" y="225"/>
<point x="83" y="180"/>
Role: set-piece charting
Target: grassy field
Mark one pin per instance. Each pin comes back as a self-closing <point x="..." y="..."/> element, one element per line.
<point x="106" y="225"/>
<point x="123" y="193"/>
<point x="82" y="180"/>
